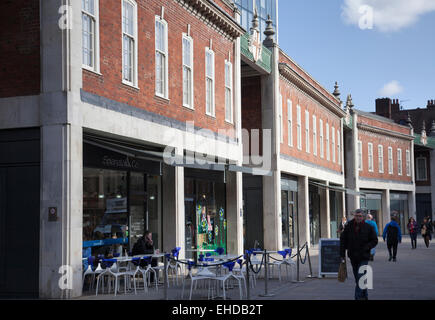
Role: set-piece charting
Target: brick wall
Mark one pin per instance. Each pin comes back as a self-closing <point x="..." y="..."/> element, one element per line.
<point x="110" y="85"/>
<point x="289" y="92"/>
<point x="20" y="66"/>
<point x="251" y="106"/>
<point x="386" y="141"/>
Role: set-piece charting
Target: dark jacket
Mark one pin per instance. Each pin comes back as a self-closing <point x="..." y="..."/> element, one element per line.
<point x="392" y="232"/>
<point x="428" y="228"/>
<point x="358" y="244"/>
<point x="142" y="246"/>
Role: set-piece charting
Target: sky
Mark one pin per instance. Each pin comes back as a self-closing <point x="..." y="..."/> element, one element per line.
<point x="372" y="48"/>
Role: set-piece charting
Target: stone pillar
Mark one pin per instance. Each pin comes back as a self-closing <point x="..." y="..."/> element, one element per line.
<point x="62" y="188"/>
<point x="325" y="213"/>
<point x="60" y="263"/>
<point x="351" y="167"/>
<point x="270" y="120"/>
<point x="385" y="210"/>
<point x="173" y="207"/>
<point x="303" y="211"/>
<point x="234" y="213"/>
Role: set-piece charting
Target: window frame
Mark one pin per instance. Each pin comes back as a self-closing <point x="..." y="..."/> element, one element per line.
<point x="230" y="88"/>
<point x="290" y="122"/>
<point x="213" y="93"/>
<point x="299" y="127"/>
<point x="380" y="158"/>
<point x="370" y="164"/>
<point x="328" y="147"/>
<point x="408" y="163"/>
<point x="390" y="161"/>
<point x="314" y="134"/>
<point x="133" y="83"/>
<point x="417" y="175"/>
<point x="280" y="116"/>
<point x="165" y="95"/>
<point x="399" y="162"/>
<point x="96" y="37"/>
<point x="191" y="94"/>
<point x="339" y="147"/>
<point x="307" y="131"/>
<point x="333" y="144"/>
<point x="360" y="155"/>
<point x="321" y="142"/>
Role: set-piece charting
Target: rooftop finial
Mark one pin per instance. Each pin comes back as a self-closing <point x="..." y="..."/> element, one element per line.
<point x="269" y="32"/>
<point x="409" y="121"/>
<point x="432" y="129"/>
<point x="349" y="103"/>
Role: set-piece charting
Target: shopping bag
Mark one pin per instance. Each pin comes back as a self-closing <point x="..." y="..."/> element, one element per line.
<point x="342" y="272"/>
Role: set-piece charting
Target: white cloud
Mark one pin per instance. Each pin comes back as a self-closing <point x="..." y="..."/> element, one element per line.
<point x="388" y="15"/>
<point x="391" y="89"/>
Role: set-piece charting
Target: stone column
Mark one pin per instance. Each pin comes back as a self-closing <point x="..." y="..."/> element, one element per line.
<point x="234" y="213"/>
<point x="303" y="211"/>
<point x="385" y="210"/>
<point x="270" y="120"/>
<point x="60" y="263"/>
<point x="325" y="213"/>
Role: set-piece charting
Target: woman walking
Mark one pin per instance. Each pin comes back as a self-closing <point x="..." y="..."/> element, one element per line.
<point x="426" y="231"/>
<point x="412" y="229"/>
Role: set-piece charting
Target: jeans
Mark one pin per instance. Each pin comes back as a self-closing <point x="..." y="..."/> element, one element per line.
<point x="359" y="293"/>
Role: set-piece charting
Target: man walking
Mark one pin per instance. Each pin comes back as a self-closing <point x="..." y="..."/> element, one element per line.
<point x="358" y="238"/>
<point x="393" y="234"/>
<point x="371" y="222"/>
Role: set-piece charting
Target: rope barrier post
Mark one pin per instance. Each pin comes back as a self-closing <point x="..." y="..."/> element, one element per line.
<point x="298" y="258"/>
<point x="309" y="262"/>
<point x="266" y="272"/>
<point x="165" y="277"/>
<point x="248" y="290"/>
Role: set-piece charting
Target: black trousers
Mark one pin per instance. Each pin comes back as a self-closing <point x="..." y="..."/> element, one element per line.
<point x="413" y="239"/>
<point x="392" y="246"/>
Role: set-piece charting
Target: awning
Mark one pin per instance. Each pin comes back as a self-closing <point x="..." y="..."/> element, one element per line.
<point x="250" y="170"/>
<point x="338" y="189"/>
<point x="129" y="151"/>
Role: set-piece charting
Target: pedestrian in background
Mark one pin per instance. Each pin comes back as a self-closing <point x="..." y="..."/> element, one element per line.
<point x="358" y="238"/>
<point x="393" y="235"/>
<point x="426" y="231"/>
<point x="413" y="229"/>
<point x="372" y="222"/>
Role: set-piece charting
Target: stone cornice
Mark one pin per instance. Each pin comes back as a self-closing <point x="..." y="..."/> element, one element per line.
<point x="211" y="12"/>
<point x="369" y="128"/>
<point x="288" y="73"/>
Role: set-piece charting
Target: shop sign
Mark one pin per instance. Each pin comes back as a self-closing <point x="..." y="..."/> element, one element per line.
<point x="120" y="163"/>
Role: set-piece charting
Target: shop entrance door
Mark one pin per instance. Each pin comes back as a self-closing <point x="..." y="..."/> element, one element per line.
<point x="314" y="213"/>
<point x="289" y="219"/>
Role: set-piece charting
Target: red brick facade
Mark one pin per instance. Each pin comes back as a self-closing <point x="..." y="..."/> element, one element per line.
<point x="19" y="48"/>
<point x="376" y="138"/>
<point x="110" y="85"/>
<point x="290" y="93"/>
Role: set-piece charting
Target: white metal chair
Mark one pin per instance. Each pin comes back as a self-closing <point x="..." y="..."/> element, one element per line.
<point x="224" y="279"/>
<point x="278" y="264"/>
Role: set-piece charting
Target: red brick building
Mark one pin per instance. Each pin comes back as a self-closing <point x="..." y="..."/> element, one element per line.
<point x="380" y="169"/>
<point x="97" y="94"/>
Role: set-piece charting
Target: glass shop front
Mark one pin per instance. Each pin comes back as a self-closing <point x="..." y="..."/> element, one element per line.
<point x="205" y="212"/>
<point x="122" y="197"/>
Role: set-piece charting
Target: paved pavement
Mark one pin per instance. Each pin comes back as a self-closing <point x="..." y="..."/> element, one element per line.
<point x="412" y="277"/>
